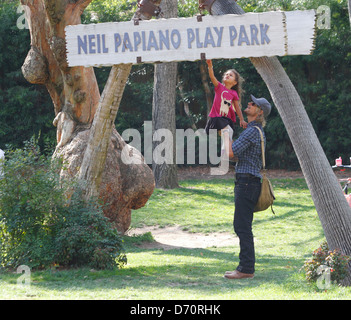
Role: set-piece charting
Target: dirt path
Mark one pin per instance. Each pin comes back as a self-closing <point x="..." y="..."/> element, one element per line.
<point x="175" y="238"/>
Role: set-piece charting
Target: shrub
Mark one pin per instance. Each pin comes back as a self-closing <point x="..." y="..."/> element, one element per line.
<point x="86" y="237"/>
<point x="335" y="261"/>
<point x="39" y="227"/>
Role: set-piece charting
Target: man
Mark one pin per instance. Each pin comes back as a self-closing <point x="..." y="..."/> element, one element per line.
<point x="247" y="151"/>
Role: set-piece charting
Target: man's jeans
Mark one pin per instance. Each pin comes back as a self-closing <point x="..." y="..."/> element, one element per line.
<point x="247" y="191"/>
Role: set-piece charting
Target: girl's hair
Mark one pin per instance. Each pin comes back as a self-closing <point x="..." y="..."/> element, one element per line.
<point x="239" y="80"/>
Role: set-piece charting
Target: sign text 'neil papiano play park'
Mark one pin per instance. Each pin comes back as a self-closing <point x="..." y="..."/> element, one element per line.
<point x="179" y="39"/>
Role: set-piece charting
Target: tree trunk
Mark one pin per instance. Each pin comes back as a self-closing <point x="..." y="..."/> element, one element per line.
<point x="332" y="208"/>
<point x="95" y="155"/>
<point x="97" y="148"/>
<point x="74" y="91"/>
<point x="349" y="6"/>
<point x="163" y="115"/>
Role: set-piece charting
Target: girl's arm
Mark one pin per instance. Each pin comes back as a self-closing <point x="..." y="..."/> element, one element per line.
<point x="238" y="111"/>
<point x="211" y="73"/>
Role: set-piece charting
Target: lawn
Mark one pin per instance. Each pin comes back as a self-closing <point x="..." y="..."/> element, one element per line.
<point x="283" y="242"/>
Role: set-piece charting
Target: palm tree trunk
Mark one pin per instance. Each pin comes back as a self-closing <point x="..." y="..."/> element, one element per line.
<point x="333" y="210"/>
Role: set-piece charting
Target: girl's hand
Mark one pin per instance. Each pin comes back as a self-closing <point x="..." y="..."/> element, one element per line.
<point x="243" y="124"/>
<point x="211" y="74"/>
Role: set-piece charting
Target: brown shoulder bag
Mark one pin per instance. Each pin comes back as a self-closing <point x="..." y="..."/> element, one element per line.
<point x="266" y="197"/>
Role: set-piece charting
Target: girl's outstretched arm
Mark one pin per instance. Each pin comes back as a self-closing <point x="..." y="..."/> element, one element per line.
<point x="238" y="111"/>
<point x="211" y="73"/>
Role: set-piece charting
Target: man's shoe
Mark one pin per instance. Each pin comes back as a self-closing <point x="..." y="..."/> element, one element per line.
<point x="238" y="275"/>
<point x="228" y="272"/>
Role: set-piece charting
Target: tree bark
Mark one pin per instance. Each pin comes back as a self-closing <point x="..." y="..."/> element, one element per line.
<point x="332" y="208"/>
<point x="349" y="7"/>
<point x="95" y="155"/>
<point x="163" y="114"/>
<point x="74" y="91"/>
<point x="94" y="148"/>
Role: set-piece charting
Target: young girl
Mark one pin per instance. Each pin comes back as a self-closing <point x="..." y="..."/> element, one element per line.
<point x="222" y="115"/>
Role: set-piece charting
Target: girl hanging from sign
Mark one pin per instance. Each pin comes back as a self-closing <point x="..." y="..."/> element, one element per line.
<point x="222" y="116"/>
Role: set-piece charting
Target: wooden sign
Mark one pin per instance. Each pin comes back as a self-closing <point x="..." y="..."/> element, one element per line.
<point x="301" y="31"/>
<point x="180" y="39"/>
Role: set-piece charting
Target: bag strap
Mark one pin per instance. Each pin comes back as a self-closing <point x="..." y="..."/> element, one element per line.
<point x="262" y="147"/>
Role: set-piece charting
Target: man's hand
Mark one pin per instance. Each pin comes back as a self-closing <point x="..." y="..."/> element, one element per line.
<point x="232" y="156"/>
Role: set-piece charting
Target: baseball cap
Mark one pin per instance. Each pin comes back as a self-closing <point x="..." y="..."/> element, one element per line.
<point x="263" y="104"/>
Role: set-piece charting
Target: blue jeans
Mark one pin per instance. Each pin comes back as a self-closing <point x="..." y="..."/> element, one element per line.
<point x="247" y="190"/>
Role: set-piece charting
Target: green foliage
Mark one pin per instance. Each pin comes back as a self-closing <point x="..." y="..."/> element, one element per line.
<point x="39" y="227"/>
<point x="188" y="8"/>
<point x="85" y="237"/>
<point x="108" y="11"/>
<point x="26" y="109"/>
<point x="334" y="260"/>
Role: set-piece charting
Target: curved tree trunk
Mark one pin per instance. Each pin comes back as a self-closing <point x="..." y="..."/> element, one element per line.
<point x="332" y="208"/>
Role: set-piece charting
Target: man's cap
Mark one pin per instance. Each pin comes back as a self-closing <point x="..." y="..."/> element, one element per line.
<point x="263" y="104"/>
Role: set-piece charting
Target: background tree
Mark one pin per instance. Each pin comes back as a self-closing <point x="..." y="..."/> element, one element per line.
<point x="163" y="113"/>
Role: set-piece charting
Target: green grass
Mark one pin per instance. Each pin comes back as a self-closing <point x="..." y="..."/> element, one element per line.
<point x="283" y="243"/>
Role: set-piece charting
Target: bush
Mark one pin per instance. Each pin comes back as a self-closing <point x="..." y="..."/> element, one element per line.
<point x="335" y="261"/>
<point x="85" y="237"/>
<point x="39" y="227"/>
